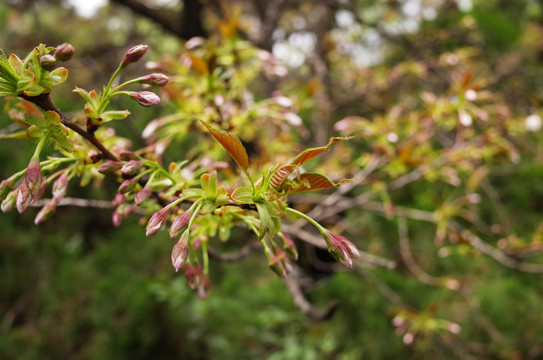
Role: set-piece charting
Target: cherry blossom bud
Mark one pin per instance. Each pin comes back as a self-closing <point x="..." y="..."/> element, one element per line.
<point x="289" y="247"/>
<point x="180" y="252"/>
<point x="60" y="186"/>
<point x="155" y="79"/>
<point x="142" y="195"/>
<point x="127" y="185"/>
<point x="145" y="98"/>
<point x="9" y="201"/>
<point x="48" y="62"/>
<point x="33" y="177"/>
<point x="134" y="54"/>
<point x="23" y="198"/>
<point x="196" y="279"/>
<point x="180" y="222"/>
<point x="341" y="249"/>
<point x="117" y="218"/>
<point x="109" y="166"/>
<point x="157" y="220"/>
<point x="64" y="52"/>
<point x="7" y="185"/>
<point x="119" y="199"/>
<point x="131" y="168"/>
<point x="45" y="212"/>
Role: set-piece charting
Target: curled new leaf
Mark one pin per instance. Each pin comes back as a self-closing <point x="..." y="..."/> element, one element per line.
<point x="231" y="144"/>
<point x="312" y="152"/>
<point x="311" y="182"/>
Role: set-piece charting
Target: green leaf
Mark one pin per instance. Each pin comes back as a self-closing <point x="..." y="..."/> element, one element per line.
<point x="55" y="77"/>
<point x="114" y="115"/>
<point x="242" y="195"/>
<point x="231" y="144"/>
<point x="266" y="222"/>
<point x="209" y="184"/>
<point x="312" y="152"/>
<point x="36" y="121"/>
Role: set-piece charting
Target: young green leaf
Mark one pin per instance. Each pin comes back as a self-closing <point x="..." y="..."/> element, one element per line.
<point x="231" y="144"/>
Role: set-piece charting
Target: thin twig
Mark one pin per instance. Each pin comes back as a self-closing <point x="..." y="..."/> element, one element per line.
<point x="413" y="266"/>
<point x="304" y="305"/>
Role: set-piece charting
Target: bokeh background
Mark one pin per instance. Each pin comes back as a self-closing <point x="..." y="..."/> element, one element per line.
<point x="76" y="287"/>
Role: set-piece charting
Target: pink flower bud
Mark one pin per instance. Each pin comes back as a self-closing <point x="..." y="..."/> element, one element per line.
<point x="134" y="54"/>
<point x="289" y="247"/>
<point x="7" y="185"/>
<point x="117" y="218"/>
<point x="48" y="62"/>
<point x="142" y="195"/>
<point x="132" y="167"/>
<point x="341" y="249"/>
<point x="23" y="198"/>
<point x="180" y="222"/>
<point x="60" y="186"/>
<point x="33" y="177"/>
<point x="128" y="185"/>
<point x="64" y="52"/>
<point x="119" y="199"/>
<point x="155" y="79"/>
<point x="45" y="212"/>
<point x="145" y="98"/>
<point x="157" y="220"/>
<point x="109" y="166"/>
<point x="9" y="201"/>
<point x="180" y="252"/>
<point x="196" y="279"/>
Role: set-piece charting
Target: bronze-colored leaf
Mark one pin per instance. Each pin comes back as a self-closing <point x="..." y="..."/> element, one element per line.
<point x="231" y="144"/>
<point x="308" y="182"/>
<point x="280" y="175"/>
<point x="312" y="152"/>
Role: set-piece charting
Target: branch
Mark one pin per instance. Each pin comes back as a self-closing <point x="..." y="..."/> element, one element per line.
<point x="158" y="17"/>
<point x="304" y="305"/>
<point x="233" y="257"/>
<point x="44" y="102"/>
<point x="496" y="254"/>
<point x="414" y="267"/>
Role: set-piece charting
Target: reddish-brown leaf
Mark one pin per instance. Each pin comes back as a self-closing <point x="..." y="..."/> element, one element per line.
<point x="231" y="144"/>
<point x="309" y="182"/>
<point x="312" y="152"/>
<point x="280" y="175"/>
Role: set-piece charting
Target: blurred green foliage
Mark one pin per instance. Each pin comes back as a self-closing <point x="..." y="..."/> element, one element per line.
<point x="87" y="290"/>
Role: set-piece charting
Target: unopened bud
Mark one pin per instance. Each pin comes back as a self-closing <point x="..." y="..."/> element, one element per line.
<point x="23" y="198"/>
<point x="145" y="98"/>
<point x="157" y="220"/>
<point x="60" y="186"/>
<point x="9" y="201"/>
<point x="180" y="222"/>
<point x="142" y="195"/>
<point x="48" y="62"/>
<point x="127" y="185"/>
<point x="109" y="166"/>
<point x="155" y="79"/>
<point x="64" y="52"/>
<point x="341" y="249"/>
<point x="33" y="177"/>
<point x="289" y="247"/>
<point x="45" y="212"/>
<point x="180" y="252"/>
<point x="131" y="168"/>
<point x="134" y="54"/>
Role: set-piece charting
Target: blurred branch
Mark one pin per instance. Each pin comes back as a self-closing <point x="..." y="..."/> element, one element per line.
<point x="304" y="305"/>
<point x="496" y="254"/>
<point x="232" y="257"/>
<point x="413" y="266"/>
<point x="184" y="25"/>
<point x="84" y="203"/>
